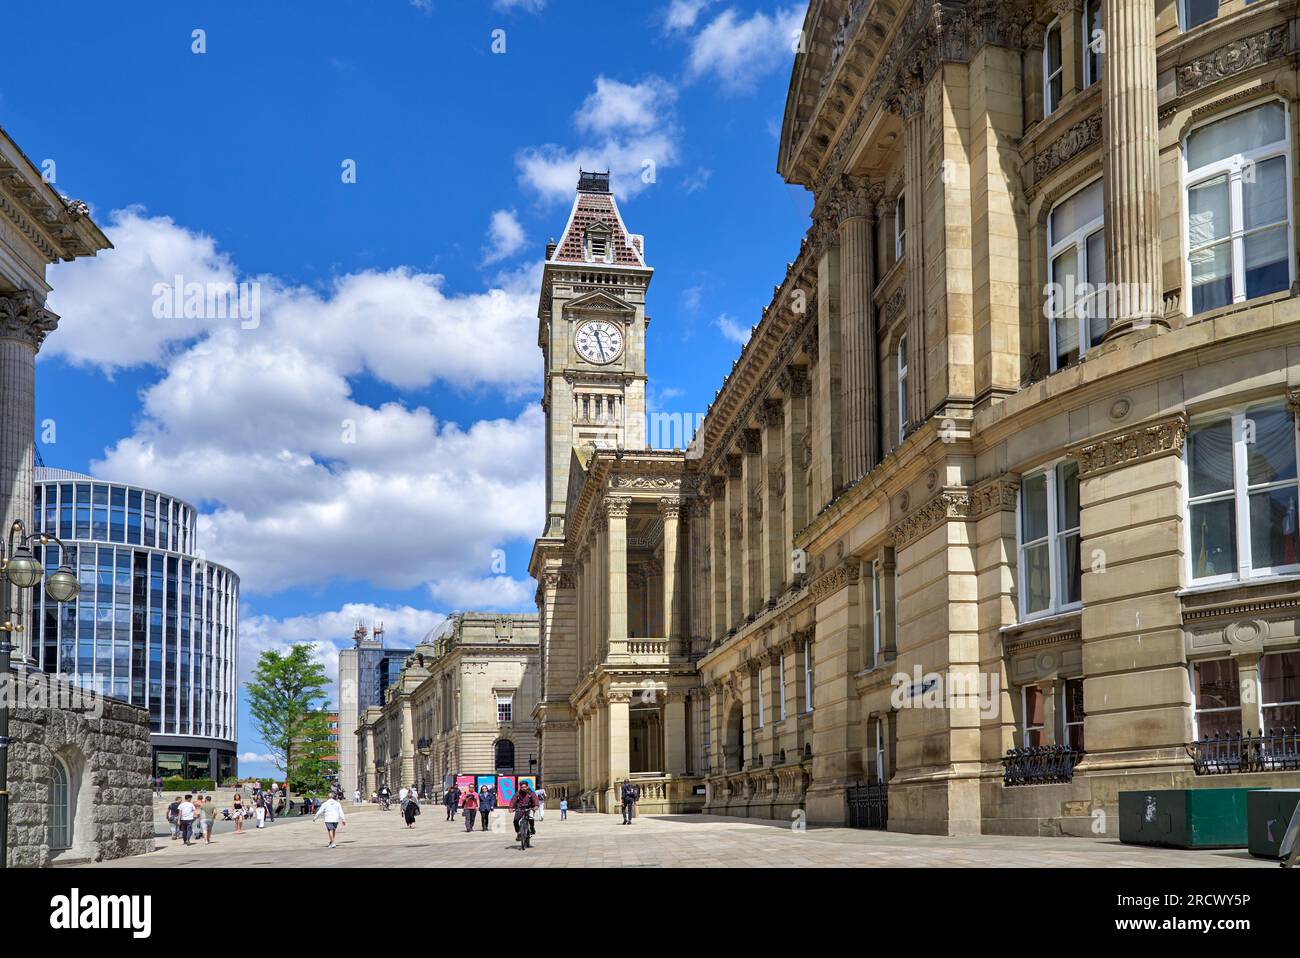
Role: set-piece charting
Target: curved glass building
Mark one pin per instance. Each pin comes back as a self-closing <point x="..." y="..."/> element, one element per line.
<point x="156" y="623"/>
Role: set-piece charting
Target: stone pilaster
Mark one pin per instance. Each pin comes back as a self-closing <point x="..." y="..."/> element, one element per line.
<point x="1131" y="167"/>
<point x="855" y="209"/>
<point x="616" y="509"/>
<point x="24" y="324"/>
<point x="672" y="510"/>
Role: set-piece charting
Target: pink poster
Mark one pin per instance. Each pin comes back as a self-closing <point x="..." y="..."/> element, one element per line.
<point x="505" y="790"/>
<point x="466" y="784"/>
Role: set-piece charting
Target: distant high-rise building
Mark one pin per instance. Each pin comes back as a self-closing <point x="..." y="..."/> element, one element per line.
<point x="365" y="671"/>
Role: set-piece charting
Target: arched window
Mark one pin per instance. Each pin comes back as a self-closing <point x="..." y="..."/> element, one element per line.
<point x="505" y="755"/>
<point x="60" y="810"/>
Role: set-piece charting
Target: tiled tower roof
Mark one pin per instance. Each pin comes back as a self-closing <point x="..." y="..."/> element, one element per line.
<point x="595" y="211"/>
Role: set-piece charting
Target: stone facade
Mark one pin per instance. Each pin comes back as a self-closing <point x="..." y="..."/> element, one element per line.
<point x="103" y="747"/>
<point x="866" y="595"/>
<point x="441" y="715"/>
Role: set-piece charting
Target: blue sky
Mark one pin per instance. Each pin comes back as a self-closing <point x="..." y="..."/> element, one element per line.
<point x="373" y="448"/>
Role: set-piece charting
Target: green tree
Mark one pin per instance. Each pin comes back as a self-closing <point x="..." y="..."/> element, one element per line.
<point x="284" y="699"/>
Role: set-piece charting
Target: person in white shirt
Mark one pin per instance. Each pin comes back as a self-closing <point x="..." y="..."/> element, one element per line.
<point x="356" y="796"/>
<point x="332" y="811"/>
<point x="186" y="813"/>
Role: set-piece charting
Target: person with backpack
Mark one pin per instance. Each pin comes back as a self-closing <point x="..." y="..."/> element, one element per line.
<point x="629" y="797"/>
<point x="470" y="806"/>
<point x="173" y="817"/>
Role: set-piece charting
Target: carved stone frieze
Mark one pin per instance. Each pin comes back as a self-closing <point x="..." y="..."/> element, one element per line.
<point x="1139" y="443"/>
<point x="840" y="576"/>
<point x="954" y="502"/>
<point x="1233" y="58"/>
<point x="1067" y="146"/>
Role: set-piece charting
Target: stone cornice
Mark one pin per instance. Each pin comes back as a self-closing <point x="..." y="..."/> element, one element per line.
<point x="842" y="575"/>
<point x="24" y="318"/>
<point x="59" y="228"/>
<point x="1131" y="445"/>
<point x="994" y="495"/>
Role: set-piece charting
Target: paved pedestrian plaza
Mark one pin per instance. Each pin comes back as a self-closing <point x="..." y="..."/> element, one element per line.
<point x="373" y="837"/>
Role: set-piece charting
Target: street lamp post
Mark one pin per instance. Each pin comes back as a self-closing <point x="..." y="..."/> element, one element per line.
<point x="19" y="570"/>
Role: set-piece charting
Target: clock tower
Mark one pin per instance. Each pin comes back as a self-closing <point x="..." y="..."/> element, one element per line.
<point x="591" y="329"/>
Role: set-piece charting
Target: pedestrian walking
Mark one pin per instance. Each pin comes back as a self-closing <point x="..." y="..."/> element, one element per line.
<point x="450" y="799"/>
<point x="411" y="809"/>
<point x="208" y="820"/>
<point x="332" y="811"/>
<point x="356" y="796"/>
<point x="174" y="818"/>
<point x="629" y="796"/>
<point x="541" y="803"/>
<point x="564" y="809"/>
<point x="186" y="813"/>
<point x="487" y="801"/>
<point x="237" y="812"/>
<point x="259" y="812"/>
<point x="470" y="807"/>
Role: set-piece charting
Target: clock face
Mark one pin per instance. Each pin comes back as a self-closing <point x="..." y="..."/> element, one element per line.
<point x="599" y="341"/>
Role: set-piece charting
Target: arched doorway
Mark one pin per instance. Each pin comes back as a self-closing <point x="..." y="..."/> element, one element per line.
<point x="505" y="755"/>
<point x="734" y="744"/>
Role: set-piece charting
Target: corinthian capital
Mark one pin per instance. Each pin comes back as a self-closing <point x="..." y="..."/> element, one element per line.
<point x="22" y="317"/>
<point x="617" y="506"/>
<point x="855" y="196"/>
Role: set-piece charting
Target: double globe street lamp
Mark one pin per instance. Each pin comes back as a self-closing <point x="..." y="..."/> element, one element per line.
<point x="21" y="570"/>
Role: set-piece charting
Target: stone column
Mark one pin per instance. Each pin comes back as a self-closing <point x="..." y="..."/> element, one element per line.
<point x="368" y="763"/>
<point x="672" y="510"/>
<point x="828" y="428"/>
<point x="700" y="567"/>
<point x="675" y="733"/>
<point x="718" y="555"/>
<point x="795" y="386"/>
<point x="735" y="575"/>
<point x="752" y="520"/>
<point x="775" y="545"/>
<point x="1252" y="710"/>
<point x="908" y="102"/>
<point x="854" y="208"/>
<point x="407" y="744"/>
<point x="1130" y="161"/>
<point x="619" y="741"/>
<point x="24" y="324"/>
<point x="616" y="508"/>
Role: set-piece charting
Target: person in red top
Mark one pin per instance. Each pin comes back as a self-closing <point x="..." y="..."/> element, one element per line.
<point x="469" y="805"/>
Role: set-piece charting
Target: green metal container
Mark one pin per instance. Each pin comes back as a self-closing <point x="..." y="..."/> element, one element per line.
<point x="1184" y="817"/>
<point x="1268" y="811"/>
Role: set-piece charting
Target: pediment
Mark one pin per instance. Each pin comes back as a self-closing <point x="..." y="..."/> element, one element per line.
<point x="599" y="301"/>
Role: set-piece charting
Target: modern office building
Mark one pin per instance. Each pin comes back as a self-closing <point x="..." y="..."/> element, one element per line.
<point x="156" y="624"/>
<point x="365" y="672"/>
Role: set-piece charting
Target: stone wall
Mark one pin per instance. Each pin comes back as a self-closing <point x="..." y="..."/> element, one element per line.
<point x="104" y="744"/>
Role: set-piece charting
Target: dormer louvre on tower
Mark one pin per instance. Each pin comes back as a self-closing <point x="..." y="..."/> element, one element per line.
<point x="591" y="329"/>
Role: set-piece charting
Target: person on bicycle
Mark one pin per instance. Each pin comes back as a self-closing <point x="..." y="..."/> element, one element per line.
<point x="522" y="804"/>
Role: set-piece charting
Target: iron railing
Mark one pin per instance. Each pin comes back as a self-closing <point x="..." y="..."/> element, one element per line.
<point x="869" y="806"/>
<point x="1227" y="754"/>
<point x="1040" y="765"/>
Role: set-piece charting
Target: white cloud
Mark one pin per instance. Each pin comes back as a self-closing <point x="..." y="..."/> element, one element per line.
<point x="691" y="297"/>
<point x="400" y="326"/>
<point x="424" y="6"/>
<point x="732" y="330"/>
<point x="264" y="758"/>
<point x="530" y="6"/>
<point x="633" y="133"/>
<point x="698" y="180"/>
<point x="506" y="237"/>
<point x="737" y="52"/>
<point x="682" y="14"/>
<point x="498" y="593"/>
<point x="305" y="485"/>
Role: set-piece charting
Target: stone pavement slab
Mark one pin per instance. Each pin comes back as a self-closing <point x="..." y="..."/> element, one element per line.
<point x="374" y="838"/>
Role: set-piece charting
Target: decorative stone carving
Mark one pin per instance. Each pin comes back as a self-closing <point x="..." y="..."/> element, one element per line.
<point x="840" y="576"/>
<point x="893" y="306"/>
<point x="1233" y="58"/>
<point x="772" y="412"/>
<point x="993" y="496"/>
<point x="735" y="465"/>
<point x="718" y="487"/>
<point x="671" y="506"/>
<point x="795" y="382"/>
<point x="954" y="502"/>
<point x="752" y="441"/>
<point x="616" y="507"/>
<point x="1067" y="146"/>
<point x="617" y="481"/>
<point x="1133" y="445"/>
<point x="22" y="317"/>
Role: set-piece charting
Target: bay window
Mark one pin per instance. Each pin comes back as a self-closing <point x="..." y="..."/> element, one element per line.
<point x="1048" y="541"/>
<point x="1242" y="494"/>
<point x="1076" y="257"/>
<point x="1238" y="231"/>
<point x="1279" y="679"/>
<point x="1218" y="698"/>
